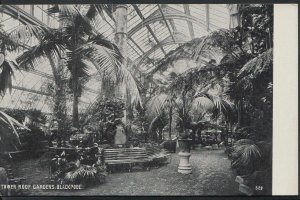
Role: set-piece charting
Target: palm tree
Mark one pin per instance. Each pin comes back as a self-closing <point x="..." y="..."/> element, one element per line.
<point x="159" y="106"/>
<point x="191" y="95"/>
<point x="83" y="45"/>
<point x="50" y="45"/>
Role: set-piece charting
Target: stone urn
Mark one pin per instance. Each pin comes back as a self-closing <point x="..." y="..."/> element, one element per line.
<point x="184" y="155"/>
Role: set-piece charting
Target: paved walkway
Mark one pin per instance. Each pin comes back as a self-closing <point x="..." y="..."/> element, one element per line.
<point x="211" y="176"/>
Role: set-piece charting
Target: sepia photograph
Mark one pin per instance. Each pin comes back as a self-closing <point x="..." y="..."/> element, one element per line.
<point x="136" y="99"/>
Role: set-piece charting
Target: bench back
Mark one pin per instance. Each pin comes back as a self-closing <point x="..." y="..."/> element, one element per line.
<point x="124" y="154"/>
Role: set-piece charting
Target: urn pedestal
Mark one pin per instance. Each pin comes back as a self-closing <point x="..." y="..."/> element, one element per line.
<point x="184" y="155"/>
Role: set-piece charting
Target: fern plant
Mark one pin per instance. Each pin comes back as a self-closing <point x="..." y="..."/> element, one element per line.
<point x="245" y="156"/>
<point x="86" y="175"/>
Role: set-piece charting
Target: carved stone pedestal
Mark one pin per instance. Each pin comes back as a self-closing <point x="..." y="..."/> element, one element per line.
<point x="184" y="164"/>
<point x="184" y="154"/>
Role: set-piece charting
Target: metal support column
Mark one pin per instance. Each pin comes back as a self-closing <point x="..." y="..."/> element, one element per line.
<point x="121" y="41"/>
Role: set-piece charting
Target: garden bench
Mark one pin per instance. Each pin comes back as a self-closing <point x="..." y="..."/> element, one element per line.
<point x="126" y="156"/>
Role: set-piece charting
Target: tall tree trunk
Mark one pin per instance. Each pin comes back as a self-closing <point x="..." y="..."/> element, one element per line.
<point x="239" y="124"/>
<point x="183" y="114"/>
<point x="75" y="119"/>
<point x="75" y="115"/>
<point x="59" y="96"/>
<point x="193" y="138"/>
<point x="160" y="135"/>
<point x="121" y="12"/>
<point x="170" y="123"/>
<point x="199" y="130"/>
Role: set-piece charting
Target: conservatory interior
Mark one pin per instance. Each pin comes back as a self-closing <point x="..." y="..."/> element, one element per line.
<point x="136" y="99"/>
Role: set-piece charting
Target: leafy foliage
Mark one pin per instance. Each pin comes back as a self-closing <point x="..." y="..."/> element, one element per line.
<point x="7" y="67"/>
<point x="249" y="156"/>
<point x="6" y="75"/>
<point x="36" y="116"/>
<point x="9" y="137"/>
<point x="79" y="166"/>
<point x="51" y="43"/>
<point x="86" y="175"/>
<point x="33" y="136"/>
<point x="106" y="115"/>
<point x="84" y="47"/>
<point x="258" y="23"/>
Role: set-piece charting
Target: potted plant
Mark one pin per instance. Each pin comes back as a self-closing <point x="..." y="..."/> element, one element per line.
<point x="183" y="139"/>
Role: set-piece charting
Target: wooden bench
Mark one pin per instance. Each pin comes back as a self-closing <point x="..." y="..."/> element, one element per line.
<point x="126" y="156"/>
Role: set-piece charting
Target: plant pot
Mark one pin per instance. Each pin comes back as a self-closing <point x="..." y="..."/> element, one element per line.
<point x="184" y="154"/>
<point x="169" y="145"/>
<point x="185" y="145"/>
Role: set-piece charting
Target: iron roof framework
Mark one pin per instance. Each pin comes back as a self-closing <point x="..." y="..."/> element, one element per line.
<point x="153" y="31"/>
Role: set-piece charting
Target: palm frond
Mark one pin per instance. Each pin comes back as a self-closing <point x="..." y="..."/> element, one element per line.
<point x="25" y="33"/>
<point x="9" y="137"/>
<point x="6" y="75"/>
<point x="50" y="44"/>
<point x="9" y="43"/>
<point x="215" y="46"/>
<point x="221" y="104"/>
<point x="81" y="73"/>
<point x="157" y="105"/>
<point x="258" y="65"/>
<point x="202" y="104"/>
<point x="108" y="61"/>
<point x="74" y="19"/>
<point x="158" y="122"/>
<point x="74" y="59"/>
<point x="243" y="142"/>
<point x="85" y="174"/>
<point x="132" y="88"/>
<point x="247" y="153"/>
<point x="194" y="77"/>
<point x="95" y="9"/>
<point x="189" y="50"/>
<point x="67" y="11"/>
<point x="257" y="70"/>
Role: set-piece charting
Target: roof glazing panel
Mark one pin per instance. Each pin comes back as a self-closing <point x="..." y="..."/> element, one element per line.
<point x="142" y="42"/>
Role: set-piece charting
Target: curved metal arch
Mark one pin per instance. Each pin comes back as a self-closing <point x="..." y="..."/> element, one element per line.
<point x="168" y="41"/>
<point x="169" y="13"/>
<point x="18" y="13"/>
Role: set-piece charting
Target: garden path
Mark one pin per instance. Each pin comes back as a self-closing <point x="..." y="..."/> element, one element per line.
<point x="211" y="176"/>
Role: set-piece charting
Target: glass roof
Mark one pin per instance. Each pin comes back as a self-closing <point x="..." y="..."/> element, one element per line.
<point x="153" y="31"/>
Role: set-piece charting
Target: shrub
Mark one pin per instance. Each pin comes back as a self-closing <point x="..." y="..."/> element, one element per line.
<point x="245" y="156"/>
<point x="79" y="139"/>
<point x="86" y="175"/>
<point x="83" y="168"/>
